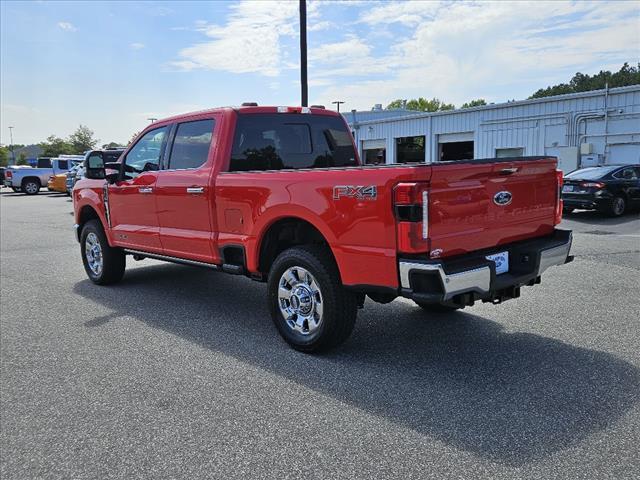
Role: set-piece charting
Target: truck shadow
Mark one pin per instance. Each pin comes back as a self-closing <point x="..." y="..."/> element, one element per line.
<point x="511" y="398"/>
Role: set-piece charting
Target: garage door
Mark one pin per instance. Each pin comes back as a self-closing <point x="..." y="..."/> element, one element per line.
<point x="455" y="137"/>
<point x="374" y="144"/>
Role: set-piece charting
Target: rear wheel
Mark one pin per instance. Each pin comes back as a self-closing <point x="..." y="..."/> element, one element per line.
<point x="104" y="264"/>
<point x="309" y="305"/>
<point x="437" y="307"/>
<point x="31" y="186"/>
<point x="568" y="210"/>
<point x="617" y="206"/>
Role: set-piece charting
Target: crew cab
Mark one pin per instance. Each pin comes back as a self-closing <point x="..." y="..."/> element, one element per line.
<point x="278" y="194"/>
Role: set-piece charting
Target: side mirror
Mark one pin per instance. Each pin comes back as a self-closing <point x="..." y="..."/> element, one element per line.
<point x="114" y="171"/>
<point x="94" y="167"/>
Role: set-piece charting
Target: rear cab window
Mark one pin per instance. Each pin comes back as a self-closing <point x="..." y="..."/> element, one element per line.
<point x="275" y="141"/>
<point x="190" y="148"/>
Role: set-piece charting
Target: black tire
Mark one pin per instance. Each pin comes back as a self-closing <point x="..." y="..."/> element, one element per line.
<point x="339" y="306"/>
<point x="437" y="307"/>
<point x="617" y="206"/>
<point x="31" y="186"/>
<point x="568" y="210"/>
<point x="16" y="189"/>
<point x="113" y="259"/>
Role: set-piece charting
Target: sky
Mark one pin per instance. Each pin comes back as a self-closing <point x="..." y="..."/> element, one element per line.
<point x="113" y="65"/>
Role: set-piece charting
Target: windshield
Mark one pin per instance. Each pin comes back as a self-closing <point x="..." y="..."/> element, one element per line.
<point x="591" y="173"/>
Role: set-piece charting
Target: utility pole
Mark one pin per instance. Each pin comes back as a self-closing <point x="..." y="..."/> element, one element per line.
<point x="152" y="119"/>
<point x="303" y="54"/>
<point x="13" y="155"/>
<point x="338" y="103"/>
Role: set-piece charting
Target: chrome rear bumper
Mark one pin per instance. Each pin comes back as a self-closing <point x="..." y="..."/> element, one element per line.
<point x="443" y="281"/>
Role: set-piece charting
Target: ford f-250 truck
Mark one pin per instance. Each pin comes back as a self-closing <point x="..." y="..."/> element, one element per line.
<point x="278" y="194"/>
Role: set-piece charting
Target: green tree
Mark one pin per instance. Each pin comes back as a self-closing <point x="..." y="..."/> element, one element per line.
<point x="396" y="104"/>
<point x="5" y="154"/>
<point x="112" y="145"/>
<point x="55" y="146"/>
<point x="421" y="105"/>
<point x="582" y="82"/>
<point x="474" y="103"/>
<point x="22" y="159"/>
<point x="82" y="140"/>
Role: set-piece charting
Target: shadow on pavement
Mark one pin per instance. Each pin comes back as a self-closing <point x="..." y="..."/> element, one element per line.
<point x="461" y="379"/>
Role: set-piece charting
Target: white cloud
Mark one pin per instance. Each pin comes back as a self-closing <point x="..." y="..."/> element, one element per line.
<point x="317" y="26"/>
<point x="137" y="46"/>
<point x="497" y="50"/>
<point x="248" y="43"/>
<point x="66" y="26"/>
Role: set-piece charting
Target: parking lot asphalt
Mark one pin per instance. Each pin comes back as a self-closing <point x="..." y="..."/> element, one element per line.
<point x="177" y="372"/>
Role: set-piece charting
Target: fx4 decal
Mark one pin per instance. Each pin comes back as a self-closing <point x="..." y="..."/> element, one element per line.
<point x="361" y="192"/>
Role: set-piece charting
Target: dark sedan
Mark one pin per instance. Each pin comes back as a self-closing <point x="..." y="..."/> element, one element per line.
<point x="611" y="189"/>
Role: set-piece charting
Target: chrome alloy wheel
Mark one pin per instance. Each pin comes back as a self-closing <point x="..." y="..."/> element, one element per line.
<point x="93" y="253"/>
<point x="300" y="300"/>
<point x="31" y="188"/>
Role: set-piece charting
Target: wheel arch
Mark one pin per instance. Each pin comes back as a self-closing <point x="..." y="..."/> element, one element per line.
<point x="284" y="233"/>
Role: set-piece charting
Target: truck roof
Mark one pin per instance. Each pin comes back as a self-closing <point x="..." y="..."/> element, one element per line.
<point x="252" y="109"/>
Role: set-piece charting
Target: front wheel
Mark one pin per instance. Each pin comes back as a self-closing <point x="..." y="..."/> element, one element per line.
<point x="104" y="264"/>
<point x="309" y="305"/>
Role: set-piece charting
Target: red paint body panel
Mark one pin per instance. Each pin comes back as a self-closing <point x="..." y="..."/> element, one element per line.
<point x="463" y="216"/>
<point x="238" y="208"/>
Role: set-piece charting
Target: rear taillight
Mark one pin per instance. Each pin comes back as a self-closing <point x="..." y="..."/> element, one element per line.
<point x="559" y="203"/>
<point x="592" y="185"/>
<point x="8" y="174"/>
<point x="411" y="206"/>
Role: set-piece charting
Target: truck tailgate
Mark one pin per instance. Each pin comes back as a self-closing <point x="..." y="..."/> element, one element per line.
<point x="468" y="212"/>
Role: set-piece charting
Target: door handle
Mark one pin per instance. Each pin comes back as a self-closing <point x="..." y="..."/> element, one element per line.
<point x="145" y="189"/>
<point x="508" y="171"/>
<point x="195" y="190"/>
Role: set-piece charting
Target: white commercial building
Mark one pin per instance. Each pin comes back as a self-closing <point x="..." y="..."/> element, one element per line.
<point x="581" y="129"/>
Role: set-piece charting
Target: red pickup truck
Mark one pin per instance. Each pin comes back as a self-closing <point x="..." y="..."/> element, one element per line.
<point x="278" y="194"/>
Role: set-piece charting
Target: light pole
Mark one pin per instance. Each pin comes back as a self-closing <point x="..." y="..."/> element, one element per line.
<point x="152" y="119"/>
<point x="13" y="155"/>
<point x="338" y="103"/>
<point x="303" y="53"/>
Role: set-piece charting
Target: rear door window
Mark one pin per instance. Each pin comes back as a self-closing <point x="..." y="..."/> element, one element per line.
<point x="290" y="141"/>
<point x="191" y="144"/>
<point x="63" y="164"/>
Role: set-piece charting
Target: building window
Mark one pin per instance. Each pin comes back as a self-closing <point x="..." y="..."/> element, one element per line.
<point x="456" y="151"/>
<point x="509" y="152"/>
<point x="410" y="149"/>
<point x="375" y="156"/>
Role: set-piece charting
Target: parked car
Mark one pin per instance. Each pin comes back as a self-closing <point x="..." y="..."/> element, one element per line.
<point x="611" y="189"/>
<point x="278" y="194"/>
<point x="77" y="173"/>
<point x="30" y="180"/>
<point x="70" y="179"/>
<point x="2" y="176"/>
<point x="57" y="183"/>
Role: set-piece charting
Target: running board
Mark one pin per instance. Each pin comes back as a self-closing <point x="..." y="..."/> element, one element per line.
<point x="167" y="258"/>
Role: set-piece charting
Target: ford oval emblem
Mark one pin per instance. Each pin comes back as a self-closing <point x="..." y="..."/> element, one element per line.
<point x="502" y="198"/>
